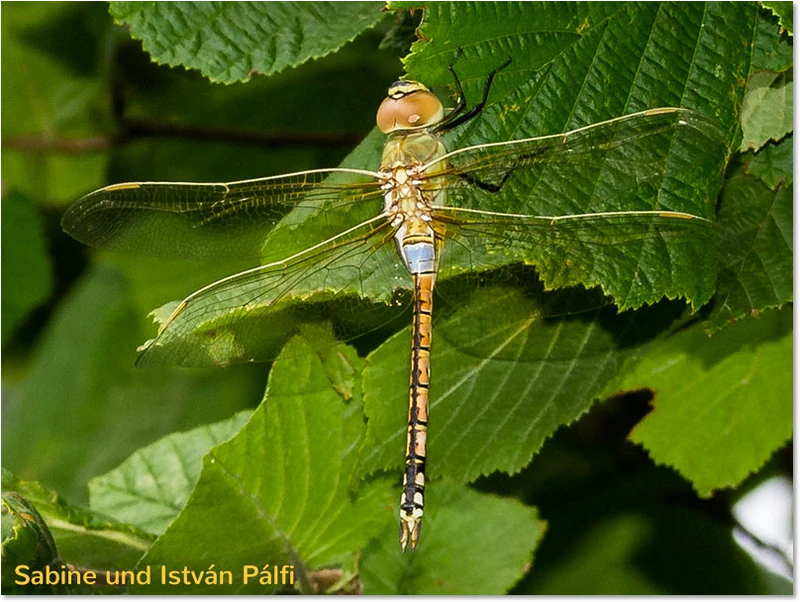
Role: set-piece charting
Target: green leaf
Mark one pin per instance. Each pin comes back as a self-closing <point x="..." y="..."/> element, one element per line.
<point x="723" y="404"/>
<point x="82" y="538"/>
<point x="501" y="381"/>
<point x="756" y="255"/>
<point x="652" y="549"/>
<point x="582" y="64"/>
<point x="27" y="272"/>
<point x="279" y="492"/>
<point x="767" y="112"/>
<point x="151" y="487"/>
<point x="55" y="98"/>
<point x="772" y="51"/>
<point x="473" y="544"/>
<point x="229" y="42"/>
<point x="567" y="70"/>
<point x="27" y="546"/>
<point x="83" y="408"/>
<point x="785" y="12"/>
<point x="774" y="163"/>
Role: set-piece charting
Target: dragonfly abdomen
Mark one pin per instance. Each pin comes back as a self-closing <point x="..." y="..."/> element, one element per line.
<point x="421" y="257"/>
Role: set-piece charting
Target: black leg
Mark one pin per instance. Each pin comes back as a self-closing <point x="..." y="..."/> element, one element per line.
<point x="488" y="187"/>
<point x="457" y="117"/>
<point x="496" y="187"/>
<point x="461" y="103"/>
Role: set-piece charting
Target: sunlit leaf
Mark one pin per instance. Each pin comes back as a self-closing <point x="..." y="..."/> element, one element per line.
<point x="473" y="544"/>
<point x="767" y="111"/>
<point x="280" y="492"/>
<point x="723" y="404"/>
<point x="150" y="488"/>
<point x="785" y="12"/>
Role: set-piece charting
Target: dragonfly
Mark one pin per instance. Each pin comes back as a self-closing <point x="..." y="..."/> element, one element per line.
<point x="567" y="203"/>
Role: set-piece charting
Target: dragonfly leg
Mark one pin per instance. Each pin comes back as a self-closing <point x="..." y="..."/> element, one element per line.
<point x="487" y="186"/>
<point x="498" y="186"/>
<point x="457" y="116"/>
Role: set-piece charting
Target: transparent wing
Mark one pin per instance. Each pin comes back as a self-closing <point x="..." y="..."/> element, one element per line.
<point x="625" y="205"/>
<point x="202" y="221"/>
<point x="636" y="257"/>
<point x="354" y="276"/>
<point x="645" y="161"/>
<point x="629" y="259"/>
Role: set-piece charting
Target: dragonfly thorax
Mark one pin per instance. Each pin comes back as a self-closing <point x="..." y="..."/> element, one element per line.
<point x="404" y="199"/>
<point x="408" y="208"/>
<point x="410" y="192"/>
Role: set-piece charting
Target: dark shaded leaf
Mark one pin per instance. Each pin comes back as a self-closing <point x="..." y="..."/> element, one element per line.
<point x="774" y="163"/>
<point x="27" y="271"/>
<point x="771" y="52"/>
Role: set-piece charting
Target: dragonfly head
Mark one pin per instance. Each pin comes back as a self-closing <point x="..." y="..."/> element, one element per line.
<point x="409" y="105"/>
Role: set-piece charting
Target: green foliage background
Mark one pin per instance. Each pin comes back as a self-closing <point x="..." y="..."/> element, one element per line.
<point x="538" y="488"/>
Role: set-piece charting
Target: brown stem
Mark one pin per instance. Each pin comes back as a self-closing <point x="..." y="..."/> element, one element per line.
<point x="133" y="129"/>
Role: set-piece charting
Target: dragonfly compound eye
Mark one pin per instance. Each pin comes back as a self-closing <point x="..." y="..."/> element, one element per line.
<point x="409" y="107"/>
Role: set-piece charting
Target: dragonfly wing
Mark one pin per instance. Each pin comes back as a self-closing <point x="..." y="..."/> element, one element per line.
<point x="636" y="257"/>
<point x="248" y="316"/>
<point x="207" y="221"/>
<point x="504" y="309"/>
<point x="622" y="204"/>
<point x="669" y="159"/>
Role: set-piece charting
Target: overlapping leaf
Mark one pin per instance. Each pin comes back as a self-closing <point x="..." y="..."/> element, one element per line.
<point x="280" y="491"/>
<point x="502" y="380"/>
<point x="150" y="488"/>
<point x="723" y="404"/>
<point x="756" y="255"/>
<point x="230" y="42"/>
